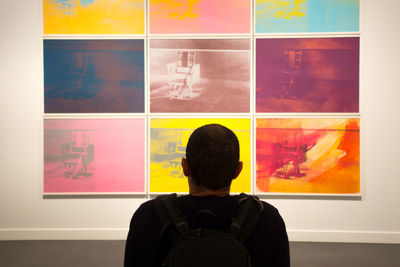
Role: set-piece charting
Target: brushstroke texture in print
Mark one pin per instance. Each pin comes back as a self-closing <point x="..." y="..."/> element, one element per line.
<point x="320" y="156"/>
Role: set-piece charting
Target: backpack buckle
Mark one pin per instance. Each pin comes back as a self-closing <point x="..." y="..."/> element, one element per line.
<point x="234" y="228"/>
<point x="182" y="226"/>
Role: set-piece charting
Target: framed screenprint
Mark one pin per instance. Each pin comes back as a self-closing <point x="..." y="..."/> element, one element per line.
<point x="200" y="75"/>
<point x="94" y="156"/>
<point x="307" y="75"/>
<point x="199" y="17"/>
<point x="308" y="155"/>
<point x="94" y="76"/>
<point x="167" y="145"/>
<point x="94" y="17"/>
<point x="306" y="16"/>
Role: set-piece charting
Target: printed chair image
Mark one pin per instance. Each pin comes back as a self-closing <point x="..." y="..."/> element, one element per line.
<point x="182" y="75"/>
<point x="290" y="70"/>
<point x="78" y="154"/>
<point x="289" y="157"/>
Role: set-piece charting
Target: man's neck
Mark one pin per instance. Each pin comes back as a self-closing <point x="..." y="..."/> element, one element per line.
<point x="200" y="191"/>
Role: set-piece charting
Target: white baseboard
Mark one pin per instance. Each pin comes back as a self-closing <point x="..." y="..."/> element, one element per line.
<point x="63" y="234"/>
<point x="344" y="236"/>
<point x="120" y="234"/>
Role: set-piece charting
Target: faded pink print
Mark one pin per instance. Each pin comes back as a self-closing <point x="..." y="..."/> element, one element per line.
<point x="203" y="75"/>
<point x="94" y="156"/>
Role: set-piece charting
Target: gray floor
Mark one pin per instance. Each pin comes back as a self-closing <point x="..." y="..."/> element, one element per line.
<point x="110" y="253"/>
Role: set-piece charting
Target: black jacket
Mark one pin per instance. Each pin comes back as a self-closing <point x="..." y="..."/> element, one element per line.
<point x="267" y="245"/>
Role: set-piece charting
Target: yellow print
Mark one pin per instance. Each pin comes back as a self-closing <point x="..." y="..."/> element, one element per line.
<point x="289" y="9"/>
<point x="284" y="9"/>
<point x="93" y="16"/>
<point x="168" y="139"/>
<point x="182" y="9"/>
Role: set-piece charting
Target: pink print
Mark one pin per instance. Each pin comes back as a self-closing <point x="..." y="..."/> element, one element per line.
<point x="199" y="16"/>
<point x="94" y="156"/>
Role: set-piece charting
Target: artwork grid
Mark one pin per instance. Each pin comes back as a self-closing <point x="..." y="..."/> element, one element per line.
<point x="253" y="35"/>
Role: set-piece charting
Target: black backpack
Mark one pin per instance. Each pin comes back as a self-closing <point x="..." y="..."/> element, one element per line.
<point x="207" y="247"/>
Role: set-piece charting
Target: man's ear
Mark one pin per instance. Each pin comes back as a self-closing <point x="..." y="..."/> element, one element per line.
<point x="239" y="169"/>
<point x="185" y="167"/>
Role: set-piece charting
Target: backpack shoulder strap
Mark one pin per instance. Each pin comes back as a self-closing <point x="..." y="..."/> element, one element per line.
<point x="169" y="212"/>
<point x="246" y="216"/>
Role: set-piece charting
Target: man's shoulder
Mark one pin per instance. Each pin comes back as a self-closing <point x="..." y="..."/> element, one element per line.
<point x="269" y="209"/>
<point x="147" y="205"/>
<point x="145" y="213"/>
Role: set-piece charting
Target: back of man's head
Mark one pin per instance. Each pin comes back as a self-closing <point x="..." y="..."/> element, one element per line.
<point x="212" y="155"/>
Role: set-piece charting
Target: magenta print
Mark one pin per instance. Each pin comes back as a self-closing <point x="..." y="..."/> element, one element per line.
<point x="94" y="156"/>
<point x="307" y="75"/>
<point x="200" y="75"/>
